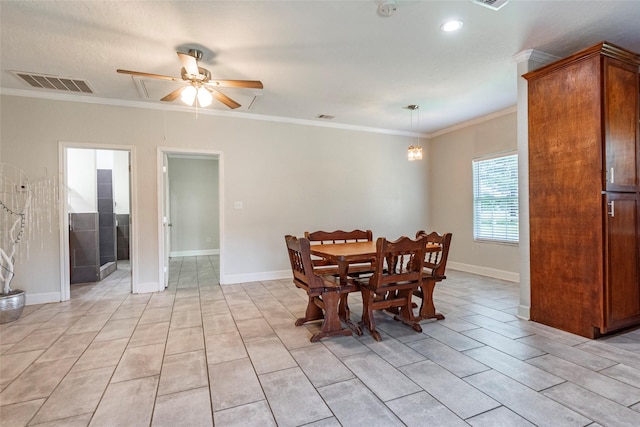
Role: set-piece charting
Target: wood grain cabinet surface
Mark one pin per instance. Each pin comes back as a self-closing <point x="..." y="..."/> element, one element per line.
<point x="584" y="197"/>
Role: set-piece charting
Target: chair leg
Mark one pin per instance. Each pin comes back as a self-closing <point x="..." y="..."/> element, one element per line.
<point x="314" y="312"/>
<point x="427" y="308"/>
<point x="367" y="314"/>
<point x="406" y="311"/>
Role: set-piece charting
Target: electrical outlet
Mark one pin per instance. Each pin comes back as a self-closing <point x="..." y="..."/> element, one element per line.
<point x="237" y="205"/>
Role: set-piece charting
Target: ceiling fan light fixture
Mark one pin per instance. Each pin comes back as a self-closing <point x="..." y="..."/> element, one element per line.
<point x="204" y="97"/>
<point x="198" y="83"/>
<point x="188" y="95"/>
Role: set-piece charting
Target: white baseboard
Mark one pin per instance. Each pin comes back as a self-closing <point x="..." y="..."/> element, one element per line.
<point x="144" y="288"/>
<point x="510" y="276"/>
<point x="32" y="299"/>
<point x="485" y="271"/>
<point x="200" y="252"/>
<point x="231" y="279"/>
<point x="523" y="312"/>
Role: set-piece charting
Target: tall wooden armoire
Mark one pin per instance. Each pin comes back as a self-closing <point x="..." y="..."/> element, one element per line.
<point x="584" y="191"/>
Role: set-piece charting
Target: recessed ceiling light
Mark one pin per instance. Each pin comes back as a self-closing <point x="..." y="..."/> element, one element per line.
<point x="453" y="25"/>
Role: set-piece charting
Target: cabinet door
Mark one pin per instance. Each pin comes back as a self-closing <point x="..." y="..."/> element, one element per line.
<point x="622" y="260"/>
<point x="620" y="125"/>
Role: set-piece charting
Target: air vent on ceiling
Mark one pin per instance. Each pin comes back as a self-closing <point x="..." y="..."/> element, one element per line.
<point x="43" y="81"/>
<point x="324" y="116"/>
<point x="491" y="4"/>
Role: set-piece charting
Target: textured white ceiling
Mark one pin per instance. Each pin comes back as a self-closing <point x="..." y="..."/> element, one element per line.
<point x="338" y="58"/>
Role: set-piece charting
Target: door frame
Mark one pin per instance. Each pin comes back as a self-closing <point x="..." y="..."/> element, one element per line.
<point x="162" y="255"/>
<point x="65" y="273"/>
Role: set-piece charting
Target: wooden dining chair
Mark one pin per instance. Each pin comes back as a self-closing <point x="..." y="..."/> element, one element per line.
<point x="433" y="271"/>
<point x="322" y="266"/>
<point x="393" y="281"/>
<point x="323" y="291"/>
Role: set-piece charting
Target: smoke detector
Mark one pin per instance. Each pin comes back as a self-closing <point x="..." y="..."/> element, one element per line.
<point x="491" y="4"/>
<point x="387" y="8"/>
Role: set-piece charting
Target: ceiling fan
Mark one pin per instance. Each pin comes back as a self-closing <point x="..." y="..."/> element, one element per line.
<point x="199" y="81"/>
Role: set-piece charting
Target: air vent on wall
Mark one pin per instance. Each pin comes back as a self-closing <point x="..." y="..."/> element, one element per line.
<point x="491" y="4"/>
<point x="43" y="81"/>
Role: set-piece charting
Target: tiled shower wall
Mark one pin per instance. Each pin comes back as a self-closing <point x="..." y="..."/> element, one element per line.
<point x="122" y="231"/>
<point x="83" y="247"/>
<point x="106" y="216"/>
<point x="92" y="236"/>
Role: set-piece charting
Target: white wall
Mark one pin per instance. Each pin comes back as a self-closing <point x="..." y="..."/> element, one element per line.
<point x="104" y="159"/>
<point x="82" y="181"/>
<point x="451" y="194"/>
<point x="193" y="186"/>
<point x="290" y="178"/>
<point x="121" y="182"/>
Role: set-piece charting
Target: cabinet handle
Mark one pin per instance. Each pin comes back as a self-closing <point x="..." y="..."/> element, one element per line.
<point x="612" y="212"/>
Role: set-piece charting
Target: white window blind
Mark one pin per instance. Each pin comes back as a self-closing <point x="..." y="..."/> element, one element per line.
<point x="495" y="199"/>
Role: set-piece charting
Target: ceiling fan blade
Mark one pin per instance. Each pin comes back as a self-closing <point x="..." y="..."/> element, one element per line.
<point x="189" y="63"/>
<point x="153" y="76"/>
<point x="173" y="95"/>
<point x="251" y="84"/>
<point x="223" y="98"/>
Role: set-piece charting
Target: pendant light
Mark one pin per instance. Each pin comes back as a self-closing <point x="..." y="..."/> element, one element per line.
<point x="414" y="152"/>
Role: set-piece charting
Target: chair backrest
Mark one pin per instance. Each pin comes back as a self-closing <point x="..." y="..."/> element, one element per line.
<point x="339" y="236"/>
<point x="436" y="262"/>
<point x="301" y="266"/>
<point x="393" y="262"/>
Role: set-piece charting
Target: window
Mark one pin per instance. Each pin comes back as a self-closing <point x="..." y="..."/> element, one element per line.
<point x="495" y="199"/>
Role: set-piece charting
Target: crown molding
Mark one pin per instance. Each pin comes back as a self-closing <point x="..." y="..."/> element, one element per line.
<point x="201" y="111"/>
<point x="477" y="120"/>
<point x="533" y="55"/>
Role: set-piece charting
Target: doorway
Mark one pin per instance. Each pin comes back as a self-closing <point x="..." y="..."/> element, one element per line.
<point x="96" y="214"/>
<point x="190" y="209"/>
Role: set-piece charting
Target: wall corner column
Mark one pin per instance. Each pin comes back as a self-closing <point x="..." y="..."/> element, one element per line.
<point x="526" y="61"/>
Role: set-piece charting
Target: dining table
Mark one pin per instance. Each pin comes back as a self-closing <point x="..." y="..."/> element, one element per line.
<point x="344" y="255"/>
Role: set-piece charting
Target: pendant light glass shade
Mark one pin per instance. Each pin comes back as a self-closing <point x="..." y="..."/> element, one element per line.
<point x="204" y="97"/>
<point x="188" y="95"/>
<point x="414" y="153"/>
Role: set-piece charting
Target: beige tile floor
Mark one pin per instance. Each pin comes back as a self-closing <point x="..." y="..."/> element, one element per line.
<point x="200" y="353"/>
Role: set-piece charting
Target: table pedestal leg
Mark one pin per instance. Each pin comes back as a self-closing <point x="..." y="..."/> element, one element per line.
<point x="343" y="309"/>
<point x="345" y="315"/>
<point x="331" y="325"/>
